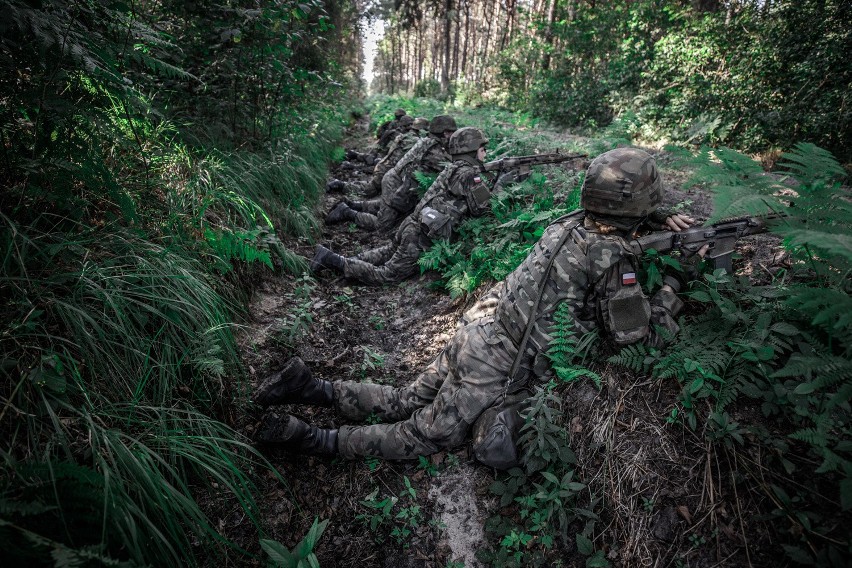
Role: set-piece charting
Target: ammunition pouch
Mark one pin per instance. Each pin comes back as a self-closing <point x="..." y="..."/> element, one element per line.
<point x="405" y="197"/>
<point x="497" y="430"/>
<point x="435" y="224"/>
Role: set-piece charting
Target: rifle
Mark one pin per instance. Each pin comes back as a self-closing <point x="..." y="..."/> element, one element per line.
<point x="722" y="238"/>
<point x="524" y="163"/>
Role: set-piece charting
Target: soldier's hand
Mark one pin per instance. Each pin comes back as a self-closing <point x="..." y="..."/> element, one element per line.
<point x="679" y="222"/>
<point x="676" y="280"/>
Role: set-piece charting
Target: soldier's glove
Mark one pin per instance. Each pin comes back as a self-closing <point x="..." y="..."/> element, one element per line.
<point x="657" y="220"/>
<point x="689" y="271"/>
<point x="505" y="179"/>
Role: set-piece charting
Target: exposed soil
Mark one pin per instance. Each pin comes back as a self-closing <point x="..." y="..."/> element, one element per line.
<point x="667" y="498"/>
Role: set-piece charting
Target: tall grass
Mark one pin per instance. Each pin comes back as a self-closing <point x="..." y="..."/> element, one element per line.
<point x="117" y="350"/>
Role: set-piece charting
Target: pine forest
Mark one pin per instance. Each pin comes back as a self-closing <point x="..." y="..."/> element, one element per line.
<point x="380" y="284"/>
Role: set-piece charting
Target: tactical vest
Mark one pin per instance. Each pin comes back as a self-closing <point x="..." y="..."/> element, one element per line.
<point x="521" y="288"/>
<point x="398" y="149"/>
<point x="446" y="204"/>
<point x="409" y="163"/>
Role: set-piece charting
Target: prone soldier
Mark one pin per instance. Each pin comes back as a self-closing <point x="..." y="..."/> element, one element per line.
<point x="583" y="259"/>
<point x="460" y="191"/>
<point x="384" y="135"/>
<point x="399" y="186"/>
<point x="406" y="136"/>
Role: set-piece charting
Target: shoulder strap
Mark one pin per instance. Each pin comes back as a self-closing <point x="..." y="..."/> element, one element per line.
<point x="534" y="312"/>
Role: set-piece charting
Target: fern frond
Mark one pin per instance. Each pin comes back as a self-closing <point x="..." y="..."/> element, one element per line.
<point x="810" y="163"/>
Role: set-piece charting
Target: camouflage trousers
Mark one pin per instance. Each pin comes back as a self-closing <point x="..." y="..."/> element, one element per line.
<point x="368" y="187"/>
<point x="393" y="262"/>
<point x="437" y="410"/>
<point x="373" y="214"/>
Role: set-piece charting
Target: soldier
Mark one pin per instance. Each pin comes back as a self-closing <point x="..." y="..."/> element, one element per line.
<point x="384" y="136"/>
<point x="458" y="192"/>
<point x="583" y="259"/>
<point x="405" y="137"/>
<point x="390" y="124"/>
<point x="399" y="186"/>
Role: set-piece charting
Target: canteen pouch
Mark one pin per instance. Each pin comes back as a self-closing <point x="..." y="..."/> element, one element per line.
<point x="497" y="430"/>
<point x="435" y="224"/>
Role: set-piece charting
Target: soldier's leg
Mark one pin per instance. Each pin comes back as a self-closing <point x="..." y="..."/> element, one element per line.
<point x="366" y="221"/>
<point x="355" y="401"/>
<point x="354" y="186"/>
<point x="476" y="379"/>
<point x="387" y="218"/>
<point x="366" y="205"/>
<point x="401" y="265"/>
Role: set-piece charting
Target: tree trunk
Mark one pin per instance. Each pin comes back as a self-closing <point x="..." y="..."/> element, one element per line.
<point x="548" y="35"/>
<point x="445" y="67"/>
<point x="466" y="38"/>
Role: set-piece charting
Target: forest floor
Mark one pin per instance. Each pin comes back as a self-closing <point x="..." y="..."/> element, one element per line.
<point x="666" y="497"/>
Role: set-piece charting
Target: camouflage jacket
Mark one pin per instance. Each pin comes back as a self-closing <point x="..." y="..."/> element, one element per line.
<point x="427" y="155"/>
<point x="402" y="143"/>
<point x="459" y="191"/>
<point x="597" y="275"/>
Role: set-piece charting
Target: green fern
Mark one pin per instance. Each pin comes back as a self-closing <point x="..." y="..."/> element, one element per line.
<point x="565" y="350"/>
<point x="237" y="246"/>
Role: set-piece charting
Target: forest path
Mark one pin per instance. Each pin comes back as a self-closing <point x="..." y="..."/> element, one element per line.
<point x="347" y="331"/>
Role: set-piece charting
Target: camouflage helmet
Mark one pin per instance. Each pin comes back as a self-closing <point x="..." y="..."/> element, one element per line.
<point x="467" y="139"/>
<point x="622" y="182"/>
<point x="399" y="113"/>
<point x="441" y="123"/>
<point x="406" y="121"/>
<point x="420" y="123"/>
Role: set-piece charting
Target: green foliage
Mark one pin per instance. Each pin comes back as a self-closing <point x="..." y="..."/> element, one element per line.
<point x="489" y="248"/>
<point x="541" y="501"/>
<point x="785" y="346"/>
<point x="302" y="555"/>
<point x="145" y="153"/>
<point x="392" y="516"/>
<point x="565" y="348"/>
<point x="753" y="75"/>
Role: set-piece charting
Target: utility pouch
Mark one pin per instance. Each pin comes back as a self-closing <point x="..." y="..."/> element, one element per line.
<point x="497" y="430"/>
<point x="481" y="195"/>
<point x="405" y="197"/>
<point x="629" y="314"/>
<point x="435" y="224"/>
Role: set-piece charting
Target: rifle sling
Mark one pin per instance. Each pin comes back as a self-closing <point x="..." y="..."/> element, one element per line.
<point x="523" y="344"/>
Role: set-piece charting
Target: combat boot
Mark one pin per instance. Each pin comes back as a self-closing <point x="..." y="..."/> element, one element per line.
<point x="294" y="383"/>
<point x="297" y="436"/>
<point x="340" y="212"/>
<point x="324" y="258"/>
<point x="354" y="204"/>
<point x="335" y="185"/>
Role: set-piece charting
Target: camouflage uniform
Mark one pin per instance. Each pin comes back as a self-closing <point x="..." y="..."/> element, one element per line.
<point x="402" y="143"/>
<point x="458" y="192"/>
<point x="399" y="187"/>
<point x="594" y="273"/>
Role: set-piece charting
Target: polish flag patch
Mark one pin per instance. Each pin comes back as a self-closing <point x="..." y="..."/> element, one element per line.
<point x="477" y="179"/>
<point x="628" y="278"/>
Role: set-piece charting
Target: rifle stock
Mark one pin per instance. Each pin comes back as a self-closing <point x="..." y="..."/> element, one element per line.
<point x="722" y="238"/>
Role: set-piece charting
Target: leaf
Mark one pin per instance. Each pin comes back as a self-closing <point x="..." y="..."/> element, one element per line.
<point x="846" y="494"/>
<point x="277" y="553"/>
<point x="584" y="545"/>
<point x="598" y="560"/>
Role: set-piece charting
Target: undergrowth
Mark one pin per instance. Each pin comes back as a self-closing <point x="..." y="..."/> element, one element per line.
<point x="124" y="242"/>
<point x="783" y="348"/>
